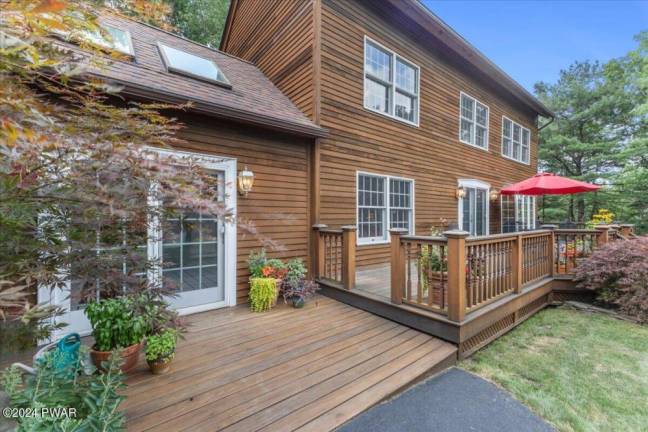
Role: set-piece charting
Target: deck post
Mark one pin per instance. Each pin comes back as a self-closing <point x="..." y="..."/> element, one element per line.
<point x="552" y="247"/>
<point x="603" y="235"/>
<point x="397" y="267"/>
<point x="318" y="259"/>
<point x="517" y="263"/>
<point x="348" y="256"/>
<point x="626" y="230"/>
<point x="456" y="274"/>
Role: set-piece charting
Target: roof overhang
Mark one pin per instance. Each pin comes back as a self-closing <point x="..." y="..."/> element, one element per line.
<point x="419" y="13"/>
<point x="215" y="110"/>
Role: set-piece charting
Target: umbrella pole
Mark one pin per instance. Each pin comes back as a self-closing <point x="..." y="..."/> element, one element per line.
<point x="543" y="207"/>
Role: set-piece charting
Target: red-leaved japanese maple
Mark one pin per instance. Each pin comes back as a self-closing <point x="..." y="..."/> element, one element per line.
<point x="618" y="273"/>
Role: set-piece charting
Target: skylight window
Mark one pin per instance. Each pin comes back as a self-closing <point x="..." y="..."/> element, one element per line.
<point x="192" y="65"/>
<point x="119" y="40"/>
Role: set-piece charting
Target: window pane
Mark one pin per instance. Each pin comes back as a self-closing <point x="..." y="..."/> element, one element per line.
<point x="171" y="256"/>
<point x="507" y="126"/>
<point x="467" y="106"/>
<point x="190" y="279"/>
<point x="209" y="277"/>
<point x="482" y="115"/>
<point x="516" y="150"/>
<point x="525" y="154"/>
<point x="481" y="138"/>
<point x="191" y="255"/>
<point x="525" y="137"/>
<point x="466" y="131"/>
<point x="516" y="132"/>
<point x="192" y="64"/>
<point x="377" y="62"/>
<point x="506" y="147"/>
<point x="406" y="77"/>
<point x="405" y="107"/>
<point x="480" y="212"/>
<point x="376" y="96"/>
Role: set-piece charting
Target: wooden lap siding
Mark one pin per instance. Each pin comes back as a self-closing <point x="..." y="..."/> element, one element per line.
<point x="431" y="154"/>
<point x="277" y="36"/>
<point x="277" y="206"/>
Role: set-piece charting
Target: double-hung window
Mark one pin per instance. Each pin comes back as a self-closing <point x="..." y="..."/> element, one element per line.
<point x="516" y="141"/>
<point x="518" y="213"/>
<point x="473" y="128"/>
<point x="383" y="203"/>
<point x="391" y="84"/>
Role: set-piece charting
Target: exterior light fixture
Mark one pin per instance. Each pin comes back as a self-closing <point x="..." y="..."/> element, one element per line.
<point x="460" y="193"/>
<point x="245" y="181"/>
<point x="493" y="195"/>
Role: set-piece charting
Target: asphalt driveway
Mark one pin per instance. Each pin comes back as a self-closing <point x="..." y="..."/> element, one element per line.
<point x="455" y="401"/>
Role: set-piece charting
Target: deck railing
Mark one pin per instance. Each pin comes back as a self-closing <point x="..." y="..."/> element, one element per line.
<point x="457" y="274"/>
<point x="490" y="268"/>
<point x="334" y="259"/>
<point x="423" y="275"/>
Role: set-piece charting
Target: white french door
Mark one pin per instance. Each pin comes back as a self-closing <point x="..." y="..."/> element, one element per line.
<point x="196" y="252"/>
<point x="473" y="207"/>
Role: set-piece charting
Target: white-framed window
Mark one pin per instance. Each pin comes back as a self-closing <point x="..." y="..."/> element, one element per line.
<point x="473" y="207"/>
<point x="516" y="141"/>
<point x="391" y="83"/>
<point x="473" y="121"/>
<point x="518" y="213"/>
<point x="383" y="202"/>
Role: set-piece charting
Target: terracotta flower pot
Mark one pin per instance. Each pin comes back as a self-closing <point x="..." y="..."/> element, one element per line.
<point x="130" y="355"/>
<point x="159" y="367"/>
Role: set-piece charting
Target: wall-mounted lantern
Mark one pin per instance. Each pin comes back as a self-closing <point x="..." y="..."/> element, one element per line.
<point x="245" y="181"/>
<point x="460" y="193"/>
<point x="494" y="195"/>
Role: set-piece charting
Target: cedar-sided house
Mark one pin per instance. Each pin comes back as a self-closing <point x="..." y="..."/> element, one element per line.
<point x="370" y="128"/>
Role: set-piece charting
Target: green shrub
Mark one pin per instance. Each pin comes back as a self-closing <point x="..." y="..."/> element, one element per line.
<point x="263" y="293"/>
<point x="161" y="347"/>
<point x="95" y="398"/>
<point x="116" y="323"/>
<point x="296" y="270"/>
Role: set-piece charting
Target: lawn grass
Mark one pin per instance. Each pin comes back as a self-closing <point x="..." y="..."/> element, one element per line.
<point x="579" y="371"/>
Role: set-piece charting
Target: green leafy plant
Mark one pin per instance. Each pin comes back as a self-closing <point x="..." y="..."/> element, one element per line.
<point x="256" y="262"/>
<point x="94" y="397"/>
<point x="161" y="346"/>
<point x="296" y="270"/>
<point x="263" y="294"/>
<point x="115" y="323"/>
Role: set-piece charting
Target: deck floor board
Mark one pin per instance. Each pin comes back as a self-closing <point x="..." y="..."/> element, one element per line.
<point x="313" y="368"/>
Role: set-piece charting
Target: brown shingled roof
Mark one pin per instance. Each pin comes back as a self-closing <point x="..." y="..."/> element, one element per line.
<point x="253" y="98"/>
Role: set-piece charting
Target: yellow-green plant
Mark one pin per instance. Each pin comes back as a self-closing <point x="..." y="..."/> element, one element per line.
<point x="263" y="294"/>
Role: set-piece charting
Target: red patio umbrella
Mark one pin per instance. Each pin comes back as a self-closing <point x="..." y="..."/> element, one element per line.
<point x="548" y="184"/>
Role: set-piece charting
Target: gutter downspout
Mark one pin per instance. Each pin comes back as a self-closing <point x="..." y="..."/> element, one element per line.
<point x="547" y="124"/>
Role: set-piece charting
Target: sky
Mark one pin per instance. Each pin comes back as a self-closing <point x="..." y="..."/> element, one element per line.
<point x="533" y="40"/>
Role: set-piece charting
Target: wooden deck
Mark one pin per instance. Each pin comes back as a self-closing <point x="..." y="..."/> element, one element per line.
<point x="287" y="369"/>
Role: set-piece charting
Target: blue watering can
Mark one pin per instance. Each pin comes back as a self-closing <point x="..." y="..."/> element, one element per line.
<point x="64" y="353"/>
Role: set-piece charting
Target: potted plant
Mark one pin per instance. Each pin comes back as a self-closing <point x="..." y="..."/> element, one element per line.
<point x="266" y="278"/>
<point x="160" y="350"/>
<point x="116" y="326"/>
<point x="298" y="291"/>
